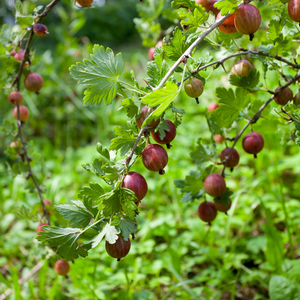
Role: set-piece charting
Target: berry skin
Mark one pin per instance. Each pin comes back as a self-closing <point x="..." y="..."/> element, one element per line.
<point x="151" y="53"/>
<point x="193" y="88"/>
<point x="85" y="3"/>
<point x="15" y="144"/>
<point x="253" y="143"/>
<point x="33" y="82"/>
<point x="209" y="6"/>
<point x="137" y="183"/>
<point x="284" y="97"/>
<point x="294" y="10"/>
<point x="214" y="185"/>
<point x="119" y="249"/>
<point x="19" y="55"/>
<point x="146" y="111"/>
<point x="61" y="267"/>
<point x="24" y="113"/>
<point x="228" y="25"/>
<point x="296" y="99"/>
<point x="234" y="157"/>
<point x="155" y="158"/>
<point x="169" y="137"/>
<point x="212" y="107"/>
<point x="207" y="211"/>
<point x="220" y="206"/>
<point x="15" y="98"/>
<point x="39" y="228"/>
<point x="241" y="67"/>
<point x="48" y="205"/>
<point x="247" y="20"/>
<point x="218" y="138"/>
<point x="40" y="29"/>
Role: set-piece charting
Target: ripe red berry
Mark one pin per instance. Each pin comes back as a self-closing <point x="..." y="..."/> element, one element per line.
<point x="247" y="20"/>
<point x="207" y="211"/>
<point x="253" y="143"/>
<point x="169" y="137"/>
<point x="48" y="205"/>
<point x="241" y="67"/>
<point x="234" y="157"/>
<point x="296" y="99"/>
<point x="214" y="185"/>
<point x="40" y="29"/>
<point x="85" y="3"/>
<point x="228" y="25"/>
<point x="218" y="138"/>
<point x="220" y="206"/>
<point x="294" y="10"/>
<point x="61" y="267"/>
<point x="15" y="144"/>
<point x="151" y="53"/>
<point x="19" y="55"/>
<point x="15" y="98"/>
<point x="284" y="97"/>
<point x="39" y="228"/>
<point x="137" y="183"/>
<point x="119" y="249"/>
<point x="193" y="88"/>
<point x="24" y="113"/>
<point x="33" y="82"/>
<point x="146" y="111"/>
<point x="155" y="158"/>
<point x="212" y="106"/>
<point x="209" y="6"/>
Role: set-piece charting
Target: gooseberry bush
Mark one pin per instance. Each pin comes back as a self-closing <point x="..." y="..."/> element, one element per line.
<point x="252" y="38"/>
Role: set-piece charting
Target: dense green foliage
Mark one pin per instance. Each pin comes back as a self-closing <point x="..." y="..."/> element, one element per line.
<point x="79" y="135"/>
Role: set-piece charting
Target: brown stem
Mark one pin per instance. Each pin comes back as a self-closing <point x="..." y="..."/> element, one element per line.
<point x="30" y="173"/>
<point x="291" y="117"/>
<point x="256" y="117"/>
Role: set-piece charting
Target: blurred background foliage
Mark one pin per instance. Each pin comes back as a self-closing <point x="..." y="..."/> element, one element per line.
<point x="175" y="255"/>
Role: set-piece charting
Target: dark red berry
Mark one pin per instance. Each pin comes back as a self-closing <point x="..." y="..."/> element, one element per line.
<point x="294" y="10"/>
<point x="220" y="206"/>
<point x="39" y="228"/>
<point x="253" y="143"/>
<point x="155" y="158"/>
<point x="146" y="111"/>
<point x="214" y="185"/>
<point x="169" y="137"/>
<point x="234" y="157"/>
<point x="241" y="67"/>
<point x="85" y="3"/>
<point x="24" y="113"/>
<point x="61" y="267"/>
<point x="119" y="249"/>
<point x="284" y="97"/>
<point x="33" y="82"/>
<point x="228" y="25"/>
<point x="212" y="107"/>
<point x="40" y="29"/>
<point x="296" y="99"/>
<point x="207" y="211"/>
<point x="209" y="6"/>
<point x="15" y="98"/>
<point x="137" y="183"/>
<point x="247" y="20"/>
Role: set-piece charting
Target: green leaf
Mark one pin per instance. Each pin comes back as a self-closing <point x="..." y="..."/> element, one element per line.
<point x="24" y="213"/>
<point x="162" y="128"/>
<point x="101" y="73"/>
<point x="162" y="97"/>
<point x="9" y="127"/>
<point x="194" y="19"/>
<point x="247" y="82"/>
<point x="131" y="105"/>
<point x="202" y="155"/>
<point x="127" y="227"/>
<point x="230" y="106"/>
<point x="282" y="288"/>
<point x="128" y="199"/>
<point x="225" y="198"/>
<point x="64" y="239"/>
<point x="77" y="216"/>
<point x="20" y="18"/>
<point x="110" y="233"/>
<point x="124" y="142"/>
<point x="176" y="4"/>
<point x="93" y="192"/>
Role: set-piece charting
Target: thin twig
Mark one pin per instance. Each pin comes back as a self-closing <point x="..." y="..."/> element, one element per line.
<point x="290" y="116"/>
<point x="256" y="117"/>
<point x="30" y="173"/>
